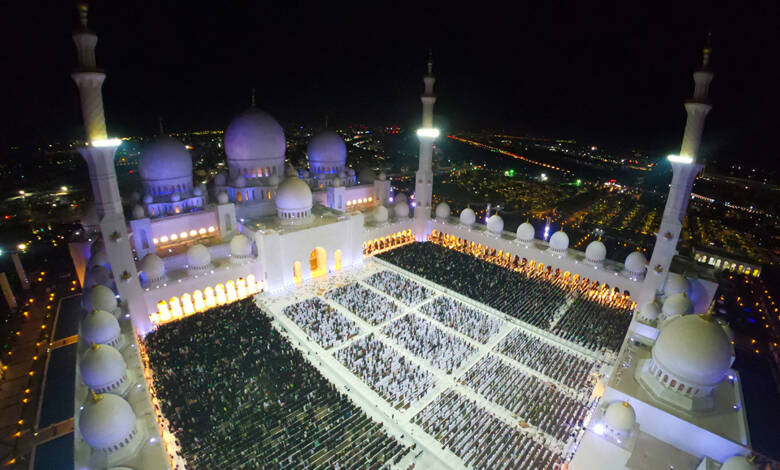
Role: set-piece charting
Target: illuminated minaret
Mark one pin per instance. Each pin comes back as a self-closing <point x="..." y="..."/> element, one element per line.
<point x="99" y="155"/>
<point x="685" y="168"/>
<point x="423" y="191"/>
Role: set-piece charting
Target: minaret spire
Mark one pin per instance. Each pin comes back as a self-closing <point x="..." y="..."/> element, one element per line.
<point x="685" y="169"/>
<point x="89" y="78"/>
<point x="423" y="192"/>
<point x="253" y="97"/>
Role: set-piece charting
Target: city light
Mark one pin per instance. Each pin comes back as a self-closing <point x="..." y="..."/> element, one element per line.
<point x="428" y="132"/>
<point x="21" y="247"/>
<point x="106" y="142"/>
<point x="680" y="159"/>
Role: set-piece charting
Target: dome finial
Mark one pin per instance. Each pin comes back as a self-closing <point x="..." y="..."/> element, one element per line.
<point x="96" y="397"/>
<point x="706" y="52"/>
<point x="94" y="346"/>
<point x="430" y="62"/>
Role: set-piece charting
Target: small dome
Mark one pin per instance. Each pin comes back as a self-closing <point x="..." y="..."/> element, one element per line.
<point x="467" y="216"/>
<point x="526" y="232"/>
<point x="442" y="210"/>
<point x="401" y="210"/>
<point x="676" y="305"/>
<point x="595" y="252"/>
<point x="222" y="198"/>
<point x="239" y="182"/>
<point x="240" y="245"/>
<point x="343" y="174"/>
<point x="620" y="417"/>
<point x="274" y="180"/>
<point x="98" y="259"/>
<point x="102" y="298"/>
<point x="495" y="224"/>
<point x="98" y="275"/>
<point x="559" y="241"/>
<point x="293" y="195"/>
<point x="197" y="192"/>
<point x="97" y="247"/>
<point x="382" y="176"/>
<point x="380" y="214"/>
<point x="148" y="199"/>
<point x="255" y="137"/>
<point x="152" y="267"/>
<point x="401" y="197"/>
<point x="107" y="422"/>
<point x="198" y="257"/>
<point x="326" y="150"/>
<point x="649" y="312"/>
<point x="139" y="212"/>
<point x="675" y="284"/>
<point x="366" y="176"/>
<point x="175" y="197"/>
<point x="738" y="462"/>
<point x="336" y="182"/>
<point x="220" y="179"/>
<point x="102" y="367"/>
<point x="100" y="327"/>
<point x="695" y="349"/>
<point x="635" y="263"/>
<point x="165" y="159"/>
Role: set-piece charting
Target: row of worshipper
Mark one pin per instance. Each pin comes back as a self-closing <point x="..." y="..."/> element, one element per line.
<point x="364" y="303"/>
<point x="473" y="323"/>
<point x="400" y="287"/>
<point x="321" y="322"/>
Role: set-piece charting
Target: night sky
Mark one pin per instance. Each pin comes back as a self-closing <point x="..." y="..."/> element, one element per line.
<point x="614" y="74"/>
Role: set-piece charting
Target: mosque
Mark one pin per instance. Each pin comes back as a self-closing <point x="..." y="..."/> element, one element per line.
<point x="262" y="226"/>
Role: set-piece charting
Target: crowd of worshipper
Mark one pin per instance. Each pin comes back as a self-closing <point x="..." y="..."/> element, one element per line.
<point x="546" y="357"/>
<point x="477" y="325"/>
<point x="397" y="379"/>
<point x="481" y="439"/>
<point x="363" y="302"/>
<point x="399" y="287"/>
<point x="538" y="403"/>
<point x="594" y="325"/>
<point x="321" y="322"/>
<point x="537" y="297"/>
<point x="251" y="400"/>
<point x="425" y="340"/>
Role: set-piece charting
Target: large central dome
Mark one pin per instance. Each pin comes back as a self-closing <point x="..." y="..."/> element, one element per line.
<point x="327" y="153"/>
<point x="166" y="167"/>
<point x="255" y="145"/>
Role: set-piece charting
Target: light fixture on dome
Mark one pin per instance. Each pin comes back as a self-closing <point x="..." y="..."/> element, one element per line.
<point x="428" y="132"/>
<point x="680" y="159"/>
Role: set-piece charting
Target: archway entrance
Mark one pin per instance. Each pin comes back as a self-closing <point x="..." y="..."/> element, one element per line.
<point x="318" y="262"/>
<point x="297" y="272"/>
<point x="337" y="259"/>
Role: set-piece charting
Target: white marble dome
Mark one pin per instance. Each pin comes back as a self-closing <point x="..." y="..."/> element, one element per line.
<point x="239" y="181"/>
<point x="98" y="275"/>
<point x="649" y="312"/>
<point x="327" y="153"/>
<point x="694" y="350"/>
<point x="619" y="417"/>
<point x="401" y="210"/>
<point x="559" y="242"/>
<point x="467" y="216"/>
<point x="495" y="224"/>
<point x="293" y="195"/>
<point x="401" y="197"/>
<point x="675" y="284"/>
<point x="222" y="198"/>
<point x="274" y="180"/>
<point x="166" y="159"/>
<point x="526" y="232"/>
<point x="103" y="368"/>
<point x="737" y="462"/>
<point x="254" y="140"/>
<point x="366" y="176"/>
<point x="152" y="268"/>
<point x="595" y="252"/>
<point x="138" y="212"/>
<point x="198" y="257"/>
<point x="442" y="210"/>
<point x="98" y="259"/>
<point x="100" y="327"/>
<point x="381" y="214"/>
<point x="635" y="263"/>
<point x="220" y="179"/>
<point x="107" y="421"/>
<point x="102" y="298"/>
<point x="676" y="305"/>
<point x="240" y="246"/>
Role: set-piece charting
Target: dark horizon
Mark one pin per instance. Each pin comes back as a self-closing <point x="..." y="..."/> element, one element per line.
<point x="615" y="76"/>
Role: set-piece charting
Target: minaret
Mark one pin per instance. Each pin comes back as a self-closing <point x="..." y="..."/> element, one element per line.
<point x="685" y="168"/>
<point x="99" y="155"/>
<point x="424" y="186"/>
